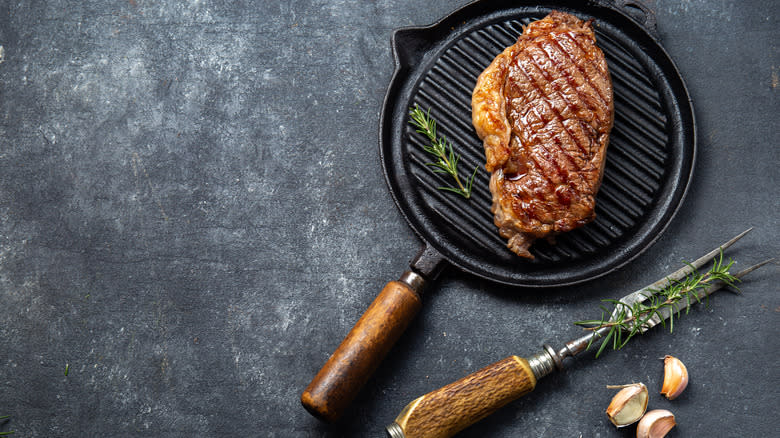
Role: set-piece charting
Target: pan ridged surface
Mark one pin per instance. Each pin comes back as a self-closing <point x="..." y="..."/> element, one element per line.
<point x="633" y="174"/>
<point x="544" y="109"/>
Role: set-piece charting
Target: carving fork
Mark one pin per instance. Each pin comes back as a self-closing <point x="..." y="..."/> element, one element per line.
<point x="450" y="409"/>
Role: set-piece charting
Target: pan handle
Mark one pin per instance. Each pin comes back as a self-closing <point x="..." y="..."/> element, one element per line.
<point x="360" y="353"/>
<point x="640" y="12"/>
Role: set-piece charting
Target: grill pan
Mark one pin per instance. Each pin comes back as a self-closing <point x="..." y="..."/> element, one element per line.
<point x="649" y="164"/>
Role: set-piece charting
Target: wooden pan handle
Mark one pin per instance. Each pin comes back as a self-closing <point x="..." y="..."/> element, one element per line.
<point x="360" y="353"/>
<point x="450" y="409"/>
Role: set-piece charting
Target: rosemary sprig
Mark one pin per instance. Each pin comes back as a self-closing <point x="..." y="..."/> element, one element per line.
<point x="446" y="160"/>
<point x="623" y="321"/>
<point x="4" y="419"/>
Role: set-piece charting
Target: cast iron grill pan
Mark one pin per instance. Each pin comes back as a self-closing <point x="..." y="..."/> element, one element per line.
<point x="649" y="163"/>
<point x="648" y="166"/>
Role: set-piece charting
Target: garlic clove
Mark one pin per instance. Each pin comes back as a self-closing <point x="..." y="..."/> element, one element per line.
<point x="628" y="405"/>
<point x="655" y="424"/>
<point x="675" y="377"/>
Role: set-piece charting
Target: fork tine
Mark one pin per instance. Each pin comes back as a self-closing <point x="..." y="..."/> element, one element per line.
<point x="581" y="344"/>
<point x="746" y="271"/>
<point x="687" y="269"/>
<point x="666" y="312"/>
<point x="647" y="291"/>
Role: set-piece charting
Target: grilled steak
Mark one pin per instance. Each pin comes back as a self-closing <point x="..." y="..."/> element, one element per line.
<point x="544" y="109"/>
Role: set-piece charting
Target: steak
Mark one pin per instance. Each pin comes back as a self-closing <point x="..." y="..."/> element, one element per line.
<point x="544" y="110"/>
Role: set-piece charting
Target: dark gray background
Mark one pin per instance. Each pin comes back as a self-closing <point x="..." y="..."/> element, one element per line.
<point x="193" y="215"/>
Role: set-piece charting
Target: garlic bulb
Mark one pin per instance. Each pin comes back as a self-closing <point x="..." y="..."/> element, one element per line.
<point x="655" y="424"/>
<point x="628" y="405"/>
<point x="675" y="377"/>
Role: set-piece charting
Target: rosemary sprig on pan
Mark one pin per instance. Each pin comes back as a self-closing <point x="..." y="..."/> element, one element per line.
<point x="623" y="321"/>
<point x="446" y="160"/>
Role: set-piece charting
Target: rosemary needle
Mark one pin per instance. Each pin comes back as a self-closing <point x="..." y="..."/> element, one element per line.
<point x="446" y="160"/>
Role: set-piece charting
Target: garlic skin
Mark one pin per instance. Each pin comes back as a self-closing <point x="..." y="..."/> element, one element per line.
<point x="655" y="424"/>
<point x="675" y="377"/>
<point x="628" y="405"/>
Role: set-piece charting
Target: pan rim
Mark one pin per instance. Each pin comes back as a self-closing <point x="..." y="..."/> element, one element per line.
<point x="451" y="252"/>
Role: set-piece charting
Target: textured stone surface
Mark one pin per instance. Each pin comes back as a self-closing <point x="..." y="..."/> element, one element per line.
<point x="192" y="216"/>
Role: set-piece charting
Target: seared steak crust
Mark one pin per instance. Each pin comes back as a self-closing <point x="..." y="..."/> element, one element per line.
<point x="544" y="110"/>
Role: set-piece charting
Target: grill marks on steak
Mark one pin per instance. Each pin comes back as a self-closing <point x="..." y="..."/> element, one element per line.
<point x="544" y="109"/>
